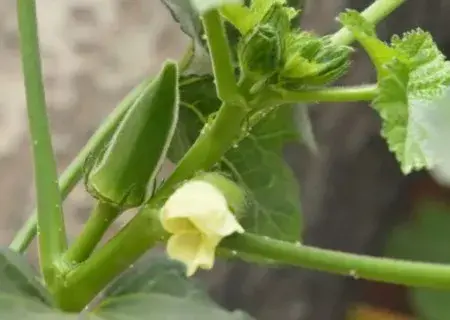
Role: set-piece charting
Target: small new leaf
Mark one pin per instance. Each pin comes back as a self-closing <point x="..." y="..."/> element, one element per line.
<point x="260" y="53"/>
<point x="312" y="61"/>
<point x="246" y="18"/>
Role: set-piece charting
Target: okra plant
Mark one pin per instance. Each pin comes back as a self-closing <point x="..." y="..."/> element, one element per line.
<point x="222" y="114"/>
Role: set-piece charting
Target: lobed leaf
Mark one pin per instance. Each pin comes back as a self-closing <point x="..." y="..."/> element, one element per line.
<point x="412" y="75"/>
<point x="408" y="99"/>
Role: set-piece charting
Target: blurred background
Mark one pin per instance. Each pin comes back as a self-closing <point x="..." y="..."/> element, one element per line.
<point x="353" y="194"/>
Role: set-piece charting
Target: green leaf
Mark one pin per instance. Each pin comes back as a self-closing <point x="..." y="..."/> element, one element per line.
<point x="434" y="117"/>
<point x="257" y="164"/>
<point x="412" y="75"/>
<point x="198" y="62"/>
<point x="406" y="95"/>
<point x="158" y="275"/>
<point x="256" y="161"/>
<point x="18" y="307"/>
<point x="157" y="288"/>
<point x="421" y="237"/>
<point x="198" y="101"/>
<point x="121" y="175"/>
<point x="17" y="277"/>
<point x="431" y="304"/>
<point x="425" y="239"/>
<point x="22" y="296"/>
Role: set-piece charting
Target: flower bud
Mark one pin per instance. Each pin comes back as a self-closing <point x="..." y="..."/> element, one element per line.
<point x="260" y="50"/>
<point x="309" y="60"/>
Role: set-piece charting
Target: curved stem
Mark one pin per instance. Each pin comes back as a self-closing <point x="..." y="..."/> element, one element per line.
<point x="101" y="218"/>
<point x="52" y="236"/>
<point x="376" y="12"/>
<point x="409" y="273"/>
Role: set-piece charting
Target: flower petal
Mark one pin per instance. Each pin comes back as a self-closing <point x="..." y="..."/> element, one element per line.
<point x="193" y="249"/>
<point x="220" y="223"/>
<point x="194" y="198"/>
<point x="206" y="253"/>
<point x="184" y="247"/>
<point x="176" y="225"/>
<point x="230" y="226"/>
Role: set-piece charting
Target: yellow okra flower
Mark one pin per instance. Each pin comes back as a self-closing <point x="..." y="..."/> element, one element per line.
<point x="198" y="216"/>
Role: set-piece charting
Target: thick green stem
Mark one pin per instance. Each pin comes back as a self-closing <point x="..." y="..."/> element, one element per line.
<point x="101" y="218"/>
<point x="408" y="273"/>
<point x="74" y="171"/>
<point x="93" y="275"/>
<point x="215" y="139"/>
<point x="376" y="12"/>
<point x="52" y="235"/>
